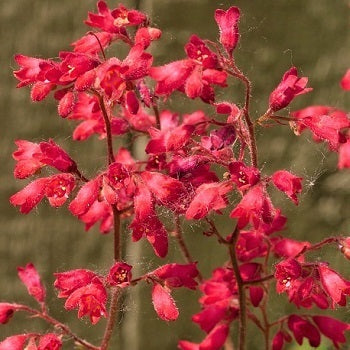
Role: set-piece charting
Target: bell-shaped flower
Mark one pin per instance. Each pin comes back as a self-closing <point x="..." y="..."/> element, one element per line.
<point x="228" y="26"/>
<point x="302" y="328"/>
<point x="332" y="329"/>
<point x="119" y="275"/>
<point x="288" y="183"/>
<point x="163" y="303"/>
<point x="49" y="341"/>
<point x="31" y="279"/>
<point x="289" y="87"/>
<point x="345" y="81"/>
<point x="243" y="176"/>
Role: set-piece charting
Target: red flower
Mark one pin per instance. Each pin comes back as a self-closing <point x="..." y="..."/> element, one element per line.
<point x="213" y="341"/>
<point x="85" y="197"/>
<point x="90" y="300"/>
<point x="119" y="275"/>
<point x="332" y="328"/>
<point x="279" y="339"/>
<point x="58" y="188"/>
<point x="256" y="208"/>
<point x="53" y="155"/>
<point x="345" y="82"/>
<point x="250" y="245"/>
<point x="344" y="155"/>
<point x="289" y="248"/>
<point x="27" y="162"/>
<point x="30" y="195"/>
<point x="288" y="183"/>
<point x="163" y="303"/>
<point x="49" y="341"/>
<point x="31" y="279"/>
<point x="325" y="123"/>
<point x="243" y="176"/>
<point x="88" y="44"/>
<point x="302" y="328"/>
<point x="334" y="285"/>
<point x="228" y="25"/>
<point x="286" y="273"/>
<point x="177" y="275"/>
<point x="209" y="196"/>
<point x="290" y="86"/>
<point x="145" y="35"/>
<point x="114" y="21"/>
<point x="194" y="75"/>
<point x="15" y="342"/>
<point x="6" y="311"/>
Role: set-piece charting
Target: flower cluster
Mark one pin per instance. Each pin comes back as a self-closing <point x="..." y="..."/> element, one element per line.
<point x="194" y="165"/>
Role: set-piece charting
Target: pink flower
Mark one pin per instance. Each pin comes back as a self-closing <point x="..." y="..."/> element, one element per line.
<point x="31" y="279"/>
<point x="228" y="25"/>
<point x="49" y="341"/>
<point x="344" y="155"/>
<point x="88" y="44"/>
<point x="289" y="248"/>
<point x="243" y="176"/>
<point x="90" y="300"/>
<point x="279" y="339"/>
<point x="119" y="275"/>
<point x="287" y="272"/>
<point x="332" y="328"/>
<point x="302" y="328"/>
<point x="69" y="281"/>
<point x="213" y="341"/>
<point x="288" y="183"/>
<point x="335" y="286"/>
<point x="290" y="86"/>
<point x="345" y="82"/>
<point x="177" y="275"/>
<point x="114" y="21"/>
<point x="58" y="188"/>
<point x="15" y="342"/>
<point x="163" y="303"/>
<point x="53" y="155"/>
<point x="208" y="197"/>
<point x="6" y="311"/>
<point x="325" y="123"/>
<point x="27" y="162"/>
<point x="145" y="35"/>
<point x="250" y="245"/>
<point x="256" y="208"/>
<point x="29" y="196"/>
<point x="194" y="75"/>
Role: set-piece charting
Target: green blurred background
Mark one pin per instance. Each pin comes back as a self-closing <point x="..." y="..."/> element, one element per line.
<point x="313" y="35"/>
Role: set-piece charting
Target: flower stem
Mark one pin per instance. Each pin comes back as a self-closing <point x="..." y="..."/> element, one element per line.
<point x="241" y="291"/>
<point x="57" y="324"/>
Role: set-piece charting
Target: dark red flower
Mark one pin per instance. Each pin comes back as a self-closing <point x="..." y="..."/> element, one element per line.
<point x="228" y="25"/>
<point x="119" y="275"/>
<point x="290" y="86"/>
<point x="31" y="279"/>
<point x="279" y="339"/>
<point x="302" y="328"/>
<point x="244" y="176"/>
<point x="6" y="311"/>
<point x="332" y="328"/>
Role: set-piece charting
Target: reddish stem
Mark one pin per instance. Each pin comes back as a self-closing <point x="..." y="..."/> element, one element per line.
<point x="317" y="246"/>
<point x="57" y="324"/>
<point x="241" y="291"/>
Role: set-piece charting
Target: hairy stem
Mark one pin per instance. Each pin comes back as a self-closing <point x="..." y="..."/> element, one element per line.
<point x="248" y="89"/>
<point x="57" y="324"/>
<point x="241" y="291"/>
<point x="182" y="244"/>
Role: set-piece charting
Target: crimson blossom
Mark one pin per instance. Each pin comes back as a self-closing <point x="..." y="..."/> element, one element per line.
<point x="197" y="167"/>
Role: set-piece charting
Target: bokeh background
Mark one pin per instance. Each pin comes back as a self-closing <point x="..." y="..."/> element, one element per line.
<point x="313" y="35"/>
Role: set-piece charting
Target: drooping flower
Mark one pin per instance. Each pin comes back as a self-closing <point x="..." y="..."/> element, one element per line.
<point x="163" y="303"/>
<point x="332" y="328"/>
<point x="289" y="87"/>
<point x="6" y="311"/>
<point x="14" y="342"/>
<point x="31" y="279"/>
<point x="303" y="328"/>
<point x="288" y="183"/>
<point x="243" y="176"/>
<point x="49" y="341"/>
